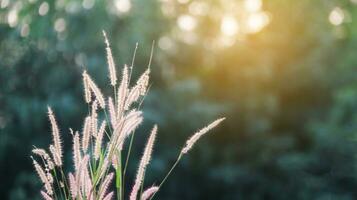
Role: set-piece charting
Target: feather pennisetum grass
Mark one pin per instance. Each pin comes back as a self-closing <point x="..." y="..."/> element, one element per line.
<point x="97" y="149"/>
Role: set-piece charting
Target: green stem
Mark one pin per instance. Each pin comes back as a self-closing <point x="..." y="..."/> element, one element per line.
<point x="58" y="182"/>
<point x="168" y="174"/>
<point x="127" y="160"/>
<point x="65" y="183"/>
<point x="129" y="152"/>
<point x="118" y="182"/>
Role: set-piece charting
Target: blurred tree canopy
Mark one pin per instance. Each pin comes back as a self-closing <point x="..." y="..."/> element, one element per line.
<point x="281" y="71"/>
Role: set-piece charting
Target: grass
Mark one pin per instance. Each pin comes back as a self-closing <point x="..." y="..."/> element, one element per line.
<point x="97" y="148"/>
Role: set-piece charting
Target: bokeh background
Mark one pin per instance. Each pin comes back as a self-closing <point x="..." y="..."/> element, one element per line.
<point x="283" y="72"/>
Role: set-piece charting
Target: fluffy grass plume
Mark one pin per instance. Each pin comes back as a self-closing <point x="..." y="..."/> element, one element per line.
<point x="111" y="64"/>
<point x="145" y="159"/>
<point x="57" y="150"/>
<point x="98" y="161"/>
<point x="149" y="192"/>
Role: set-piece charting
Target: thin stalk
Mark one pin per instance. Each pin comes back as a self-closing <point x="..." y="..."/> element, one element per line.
<point x="127" y="161"/>
<point x="118" y="182"/>
<point x="58" y="183"/>
<point x="129" y="151"/>
<point x="151" y="53"/>
<point x="133" y="61"/>
<point x="65" y="183"/>
<point x="168" y="174"/>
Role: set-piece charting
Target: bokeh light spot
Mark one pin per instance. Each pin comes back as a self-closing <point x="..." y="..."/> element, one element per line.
<point x="257" y="21"/>
<point x="60" y="25"/>
<point x="25" y="30"/>
<point x="229" y="26"/>
<point x="187" y="22"/>
<point x="336" y="16"/>
<point x="198" y="8"/>
<point x="43" y="9"/>
<point x="88" y="4"/>
<point x="4" y="3"/>
<point x="253" y="5"/>
<point x="165" y="43"/>
<point x="12" y="18"/>
<point x="123" y="6"/>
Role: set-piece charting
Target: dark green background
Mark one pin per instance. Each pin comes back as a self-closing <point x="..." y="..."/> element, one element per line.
<point x="289" y="94"/>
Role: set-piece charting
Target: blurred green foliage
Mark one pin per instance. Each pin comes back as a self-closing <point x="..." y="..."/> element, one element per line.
<point x="289" y="93"/>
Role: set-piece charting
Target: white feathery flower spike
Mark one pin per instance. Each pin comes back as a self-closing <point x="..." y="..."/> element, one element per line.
<point x="113" y="143"/>
<point x="77" y="157"/>
<point x="115" y="161"/>
<point x="45" y="156"/>
<point x="111" y="64"/>
<point x="145" y="159"/>
<point x="56" y="138"/>
<point x="73" y="186"/>
<point x="86" y="133"/>
<point x="143" y="82"/>
<point x="87" y="93"/>
<point x="49" y="177"/>
<point x="132" y="120"/>
<point x="81" y="172"/>
<point x="87" y="184"/>
<point x="133" y="96"/>
<point x="55" y="156"/>
<point x="113" y="117"/>
<point x="41" y="173"/>
<point x="98" y="141"/>
<point x="109" y="196"/>
<point x="149" y="192"/>
<point x="94" y="88"/>
<point x="45" y="196"/>
<point x="104" y="167"/>
<point x="190" y="142"/>
<point x="127" y="129"/>
<point x="105" y="185"/>
<point x="40" y="152"/>
<point x="122" y="92"/>
<point x="94" y="119"/>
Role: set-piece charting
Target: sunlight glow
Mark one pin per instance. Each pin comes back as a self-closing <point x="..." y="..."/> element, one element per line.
<point x="123" y="6"/>
<point x="253" y="5"/>
<point x="187" y="22"/>
<point x="229" y="26"/>
<point x="257" y="21"/>
<point x="336" y="16"/>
